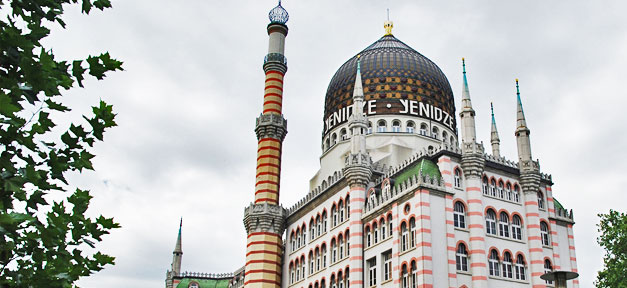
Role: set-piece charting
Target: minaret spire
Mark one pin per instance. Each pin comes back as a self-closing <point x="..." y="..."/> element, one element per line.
<point x="520" y="114"/>
<point x="358" y="118"/>
<point x="494" y="137"/>
<point x="177" y="259"/>
<point x="522" y="132"/>
<point x="467" y="114"/>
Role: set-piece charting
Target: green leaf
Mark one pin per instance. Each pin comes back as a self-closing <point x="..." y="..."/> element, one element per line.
<point x="6" y="105"/>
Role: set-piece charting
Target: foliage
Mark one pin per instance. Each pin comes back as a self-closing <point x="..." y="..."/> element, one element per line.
<point x="45" y="236"/>
<point x="613" y="239"/>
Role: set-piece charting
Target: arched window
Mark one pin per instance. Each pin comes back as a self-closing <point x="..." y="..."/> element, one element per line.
<point x="490" y="222"/>
<point x="520" y="268"/>
<point x="297" y="268"/>
<point x="372" y="271"/>
<point x="318" y="260"/>
<point x="302" y="266"/>
<point x="435" y="132"/>
<point x="508" y="191"/>
<point x="444" y="136"/>
<point x="333" y="251"/>
<point x="544" y="232"/>
<point x="347" y="245"/>
<point x="324" y="221"/>
<point x="346" y="278"/>
<point x="375" y="233"/>
<point x="312" y="229"/>
<point x="347" y="209"/>
<point x="412" y="232"/>
<point x="334" y="215"/>
<point x="381" y="126"/>
<point x="390" y="226"/>
<point x="382" y="228"/>
<point x="540" y="200"/>
<point x="493" y="188"/>
<point x="503" y="225"/>
<point x="333" y="283"/>
<point x="292" y="274"/>
<point x="452" y="140"/>
<point x="493" y="262"/>
<point x="387" y="265"/>
<point x="303" y="239"/>
<point x="323" y="284"/>
<point x="298" y="238"/>
<point x="193" y="285"/>
<point x="461" y="257"/>
<point x="318" y="226"/>
<point x="500" y="190"/>
<point x="340" y="281"/>
<point x="340" y="246"/>
<point x="293" y="241"/>
<point x="368" y="237"/>
<point x="396" y="126"/>
<point x="458" y="178"/>
<point x="369" y="127"/>
<point x="411" y="127"/>
<point x="414" y="276"/>
<point x="459" y="215"/>
<point x="547" y="269"/>
<point x="323" y="251"/>
<point x="343" y="135"/>
<point x="341" y="204"/>
<point x="516" y="227"/>
<point x="405" y="277"/>
<point x="507" y="265"/>
<point x="516" y="193"/>
<point x="311" y="263"/>
<point x="404" y="236"/>
<point x="327" y="144"/>
<point x="485" y="185"/>
<point x="333" y="139"/>
<point x="423" y="129"/>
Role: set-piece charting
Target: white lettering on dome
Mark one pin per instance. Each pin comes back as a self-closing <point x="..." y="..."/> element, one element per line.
<point x="410" y="107"/>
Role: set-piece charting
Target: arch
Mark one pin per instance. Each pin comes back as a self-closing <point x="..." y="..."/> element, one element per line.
<point x="381" y="126"/>
<point x="343" y="135"/>
<point x="410" y="127"/>
<point x="396" y="125"/>
<point x="522" y="255"/>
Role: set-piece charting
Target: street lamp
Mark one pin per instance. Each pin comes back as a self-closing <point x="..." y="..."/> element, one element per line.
<point x="560" y="277"/>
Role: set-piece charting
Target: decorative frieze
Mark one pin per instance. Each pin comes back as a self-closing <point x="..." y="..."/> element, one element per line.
<point x="271" y="126"/>
<point x="265" y="217"/>
<point x="358" y="169"/>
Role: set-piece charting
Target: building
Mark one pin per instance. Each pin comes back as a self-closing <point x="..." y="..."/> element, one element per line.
<point x="401" y="198"/>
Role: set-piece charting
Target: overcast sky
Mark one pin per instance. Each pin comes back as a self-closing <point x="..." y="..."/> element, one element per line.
<point x="193" y="85"/>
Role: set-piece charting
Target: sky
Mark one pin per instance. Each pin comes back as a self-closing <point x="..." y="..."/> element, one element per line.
<point x="193" y="85"/>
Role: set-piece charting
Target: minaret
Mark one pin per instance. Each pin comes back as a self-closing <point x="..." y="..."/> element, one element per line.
<point x="530" y="182"/>
<point x="177" y="260"/>
<point x="494" y="137"/>
<point x="265" y="219"/>
<point x="472" y="167"/>
<point x="357" y="170"/>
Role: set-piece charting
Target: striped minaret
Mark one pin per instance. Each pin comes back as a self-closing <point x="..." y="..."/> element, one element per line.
<point x="472" y="166"/>
<point x="265" y="219"/>
<point x="358" y="171"/>
<point x="530" y="182"/>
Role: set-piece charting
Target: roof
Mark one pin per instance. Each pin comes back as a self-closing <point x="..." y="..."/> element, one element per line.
<point x="204" y="282"/>
<point x="426" y="166"/>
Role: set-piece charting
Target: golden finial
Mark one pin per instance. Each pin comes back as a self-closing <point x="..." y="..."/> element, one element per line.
<point x="388" y="25"/>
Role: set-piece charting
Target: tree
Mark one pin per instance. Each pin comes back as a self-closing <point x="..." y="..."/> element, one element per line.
<point x="613" y="238"/>
<point x="45" y="237"/>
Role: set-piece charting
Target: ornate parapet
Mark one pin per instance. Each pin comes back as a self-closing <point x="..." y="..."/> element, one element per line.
<point x="265" y="217"/>
<point x="271" y="126"/>
<point x="275" y="62"/>
<point x="335" y="178"/>
<point x="358" y="169"/>
<point x="526" y="166"/>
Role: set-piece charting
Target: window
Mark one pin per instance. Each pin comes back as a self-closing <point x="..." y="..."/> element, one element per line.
<point x="452" y="140"/>
<point x="413" y="274"/>
<point x="297" y="268"/>
<point x="444" y="136"/>
<point x="382" y="228"/>
<point x="341" y="247"/>
<point x="292" y="273"/>
<point x="507" y="265"/>
<point x="298" y="238"/>
<point x="368" y="237"/>
<point x="375" y="233"/>
<point x="312" y="230"/>
<point x="387" y="265"/>
<point x="381" y="126"/>
<point x="333" y="283"/>
<point x="540" y="200"/>
<point x="516" y="227"/>
<point x="457" y="178"/>
<point x="410" y="127"/>
<point x="493" y="262"/>
<point x="323" y="284"/>
<point x="516" y="193"/>
<point x="343" y="134"/>
<point x="311" y="262"/>
<point x="500" y="190"/>
<point x="318" y="226"/>
<point x="347" y="247"/>
<point x="434" y="132"/>
<point x="304" y="236"/>
<point x="324" y="256"/>
<point x="341" y="211"/>
<point x="461" y="257"/>
<point x="293" y="240"/>
<point x="333" y="251"/>
<point x="490" y="222"/>
<point x="503" y="225"/>
<point x="369" y="127"/>
<point x="396" y="126"/>
<point x="348" y="207"/>
<point x="333" y="139"/>
<point x="324" y="221"/>
<point x="459" y="215"/>
<point x="485" y="185"/>
<point x="544" y="232"/>
<point x="493" y="188"/>
<point x="340" y="282"/>
<point x="520" y="268"/>
<point x="405" y="280"/>
<point x="508" y="191"/>
<point x="372" y="272"/>
<point x="412" y="232"/>
<point x="334" y="215"/>
<point x="547" y="269"/>
<point x="193" y="285"/>
<point x="423" y="129"/>
<point x="318" y="260"/>
<point x="390" y="224"/>
<point x="404" y="236"/>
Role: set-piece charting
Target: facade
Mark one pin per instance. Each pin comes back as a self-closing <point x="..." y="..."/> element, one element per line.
<point x="402" y="197"/>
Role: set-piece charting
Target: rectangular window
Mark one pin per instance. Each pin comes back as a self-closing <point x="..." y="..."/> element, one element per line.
<point x="387" y="265"/>
<point x="372" y="272"/>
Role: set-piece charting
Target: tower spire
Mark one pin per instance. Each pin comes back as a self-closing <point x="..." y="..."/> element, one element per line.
<point x="520" y="114"/>
<point x="388" y="25"/>
<point x="494" y="137"/>
<point x="522" y="132"/>
<point x="358" y="121"/>
<point x="467" y="114"/>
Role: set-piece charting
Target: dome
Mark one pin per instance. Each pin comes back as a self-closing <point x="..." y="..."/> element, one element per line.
<point x="397" y="80"/>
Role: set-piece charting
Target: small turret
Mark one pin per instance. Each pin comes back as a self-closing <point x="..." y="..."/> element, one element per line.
<point x="467" y="114"/>
<point x="358" y="123"/>
<point x="494" y="137"/>
<point x="177" y="257"/>
<point x="522" y="132"/>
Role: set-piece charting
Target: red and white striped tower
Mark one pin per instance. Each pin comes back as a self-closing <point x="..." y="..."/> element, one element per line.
<point x="530" y="182"/>
<point x="472" y="166"/>
<point x="571" y="252"/>
<point x="265" y="219"/>
<point x="357" y="170"/>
